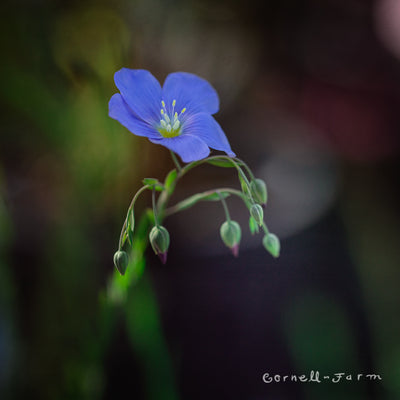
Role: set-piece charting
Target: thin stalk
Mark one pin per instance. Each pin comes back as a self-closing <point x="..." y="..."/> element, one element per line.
<point x="153" y="197"/>
<point x="176" y="162"/>
<point x="265" y="229"/>
<point x="164" y="196"/>
<point x="227" y="215"/>
<point x="135" y="197"/>
<point x="249" y="171"/>
<point x="188" y="167"/>
<point x="176" y="208"/>
<point x="193" y="164"/>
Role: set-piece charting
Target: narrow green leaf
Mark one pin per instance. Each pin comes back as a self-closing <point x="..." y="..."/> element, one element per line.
<point x="222" y="163"/>
<point x="206" y="196"/>
<point x="130" y="238"/>
<point x="170" y="181"/>
<point x="215" y="196"/>
<point x="150" y="181"/>
<point x="254" y="228"/>
<point x="131" y="220"/>
<point x="124" y="237"/>
<point x="244" y="186"/>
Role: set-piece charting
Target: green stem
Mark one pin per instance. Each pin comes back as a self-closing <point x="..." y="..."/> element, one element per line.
<point x="193" y="164"/>
<point x="176" y="162"/>
<point x="177" y="207"/>
<point x="227" y="215"/>
<point x="153" y="197"/>
<point x="188" y="167"/>
<point x="249" y="171"/>
<point x="265" y="229"/>
<point x="135" y="197"/>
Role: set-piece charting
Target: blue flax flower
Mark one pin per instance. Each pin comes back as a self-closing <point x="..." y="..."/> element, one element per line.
<point x="177" y="116"/>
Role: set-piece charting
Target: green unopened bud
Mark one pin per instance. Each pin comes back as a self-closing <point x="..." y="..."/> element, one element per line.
<point x="257" y="213"/>
<point x="121" y="261"/>
<point x="272" y="244"/>
<point x="231" y="234"/>
<point x="159" y="240"/>
<point x="259" y="191"/>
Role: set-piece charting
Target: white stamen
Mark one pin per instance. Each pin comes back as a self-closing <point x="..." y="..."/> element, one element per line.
<point x="169" y="122"/>
<point x="176" y="125"/>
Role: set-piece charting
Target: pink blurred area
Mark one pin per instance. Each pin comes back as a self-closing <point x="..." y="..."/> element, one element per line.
<point x="387" y="24"/>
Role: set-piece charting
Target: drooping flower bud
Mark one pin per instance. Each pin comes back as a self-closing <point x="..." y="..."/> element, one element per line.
<point x="259" y="191"/>
<point x="159" y="240"/>
<point x="257" y="213"/>
<point x="231" y="234"/>
<point x="272" y="244"/>
<point x="121" y="261"/>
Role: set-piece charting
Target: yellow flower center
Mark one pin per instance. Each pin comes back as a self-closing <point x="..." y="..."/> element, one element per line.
<point x="170" y="124"/>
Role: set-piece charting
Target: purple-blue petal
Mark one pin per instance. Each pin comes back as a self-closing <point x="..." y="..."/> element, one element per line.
<point x="205" y="127"/>
<point x="190" y="92"/>
<point x="141" y="91"/>
<point x="188" y="147"/>
<point x="119" y="110"/>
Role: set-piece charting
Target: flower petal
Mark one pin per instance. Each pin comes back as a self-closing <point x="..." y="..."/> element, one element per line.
<point x="205" y="127"/>
<point x="190" y="148"/>
<point x="190" y="92"/>
<point x="119" y="110"/>
<point x="141" y="91"/>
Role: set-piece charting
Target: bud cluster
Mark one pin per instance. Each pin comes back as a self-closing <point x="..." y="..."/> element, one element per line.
<point x="254" y="195"/>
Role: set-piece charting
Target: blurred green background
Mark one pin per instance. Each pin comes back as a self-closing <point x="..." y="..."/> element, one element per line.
<point x="310" y="98"/>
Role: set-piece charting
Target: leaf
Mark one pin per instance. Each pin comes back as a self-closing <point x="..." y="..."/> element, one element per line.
<point x="129" y="224"/>
<point x="223" y="163"/>
<point x="245" y="188"/>
<point x="215" y="196"/>
<point x="154" y="183"/>
<point x="150" y="181"/>
<point x="131" y="220"/>
<point x="170" y="181"/>
<point x="254" y="228"/>
<point x="130" y="237"/>
<point x="206" y="196"/>
<point x="124" y="237"/>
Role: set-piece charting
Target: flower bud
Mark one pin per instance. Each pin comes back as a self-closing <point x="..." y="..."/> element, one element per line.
<point x="121" y="261"/>
<point x="257" y="213"/>
<point x="231" y="234"/>
<point x="259" y="191"/>
<point x="159" y="240"/>
<point x="272" y="244"/>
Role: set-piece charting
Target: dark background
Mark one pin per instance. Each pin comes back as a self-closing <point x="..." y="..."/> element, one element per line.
<point x="310" y="96"/>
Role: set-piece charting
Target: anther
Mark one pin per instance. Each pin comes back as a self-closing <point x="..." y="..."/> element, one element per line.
<point x="176" y="125"/>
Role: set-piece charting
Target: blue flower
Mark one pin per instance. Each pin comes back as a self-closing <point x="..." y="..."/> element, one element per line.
<point x="177" y="116"/>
